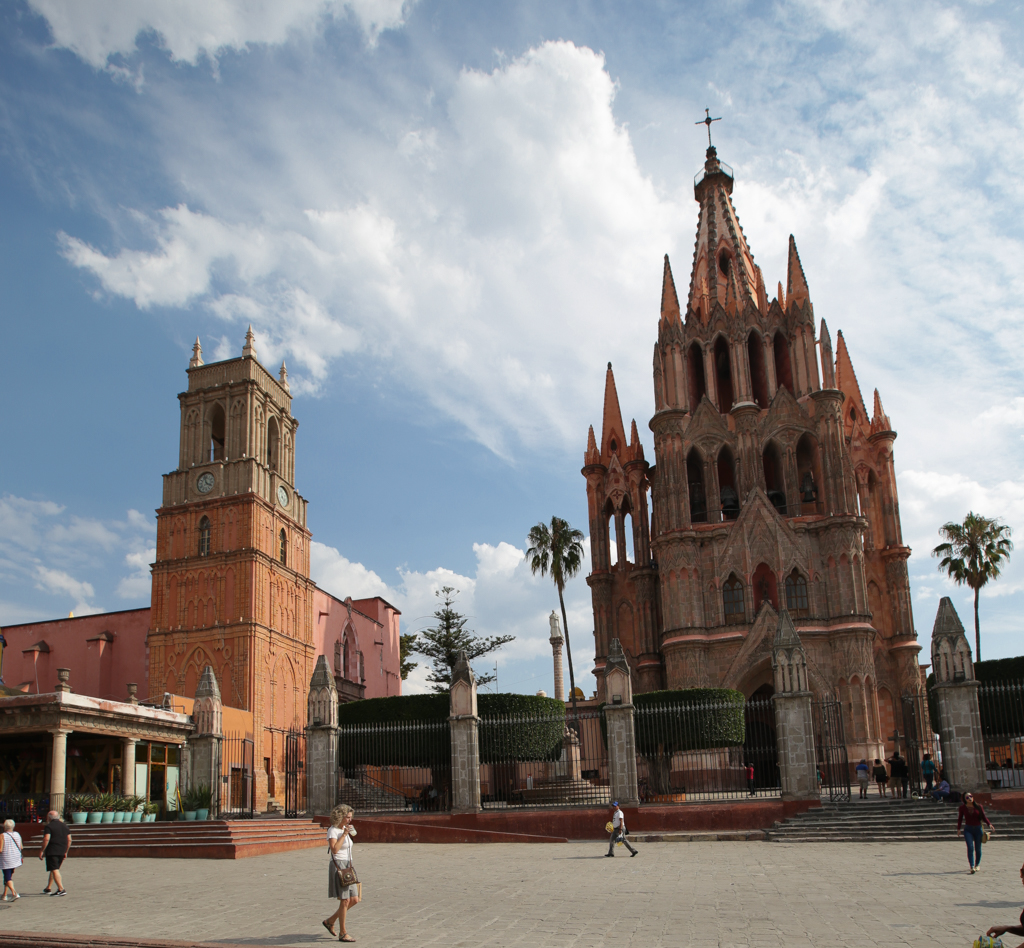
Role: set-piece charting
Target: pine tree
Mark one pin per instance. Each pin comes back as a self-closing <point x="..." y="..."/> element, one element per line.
<point x="450" y="636"/>
<point x="406" y="646"/>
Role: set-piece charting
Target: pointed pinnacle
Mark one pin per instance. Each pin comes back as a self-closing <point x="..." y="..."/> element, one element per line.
<point x="796" y="282"/>
<point x="669" y="298"/>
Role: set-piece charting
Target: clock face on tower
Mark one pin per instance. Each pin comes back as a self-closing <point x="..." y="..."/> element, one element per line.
<point x="282" y="496"/>
<point x="204" y="483"/>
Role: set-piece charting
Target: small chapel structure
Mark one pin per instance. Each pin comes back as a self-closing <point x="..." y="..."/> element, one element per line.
<point x="773" y="486"/>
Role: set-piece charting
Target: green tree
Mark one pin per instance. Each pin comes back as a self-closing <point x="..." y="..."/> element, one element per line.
<point x="558" y="549"/>
<point x="973" y="553"/>
<point x="450" y="636"/>
<point x="406" y="646"/>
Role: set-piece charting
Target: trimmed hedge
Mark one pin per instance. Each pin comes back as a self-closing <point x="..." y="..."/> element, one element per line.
<point x="1000" y="669"/>
<point x="706" y="718"/>
<point x="535" y="740"/>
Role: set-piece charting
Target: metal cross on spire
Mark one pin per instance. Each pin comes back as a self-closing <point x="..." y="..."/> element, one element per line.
<point x="707" y="120"/>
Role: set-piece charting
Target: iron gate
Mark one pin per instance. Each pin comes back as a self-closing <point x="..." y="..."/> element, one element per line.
<point x="915" y="723"/>
<point x="238" y="788"/>
<point x="830" y="744"/>
<point x="294" y="777"/>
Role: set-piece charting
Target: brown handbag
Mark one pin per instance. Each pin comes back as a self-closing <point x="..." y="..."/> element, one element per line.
<point x="347" y="876"/>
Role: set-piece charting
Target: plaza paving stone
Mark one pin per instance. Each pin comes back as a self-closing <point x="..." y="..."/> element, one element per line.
<point x="720" y="894"/>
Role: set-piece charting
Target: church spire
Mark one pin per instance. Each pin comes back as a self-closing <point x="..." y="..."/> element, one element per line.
<point x="249" y="349"/>
<point x="669" y="299"/>
<point x="613" y="435"/>
<point x="796" y="282"/>
<point x="846" y="382"/>
<point x="721" y="254"/>
<point x="592" y="455"/>
<point x="197" y="355"/>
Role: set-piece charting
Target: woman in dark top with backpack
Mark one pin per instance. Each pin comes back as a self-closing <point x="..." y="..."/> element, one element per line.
<point x="996" y="930"/>
<point x="971" y="814"/>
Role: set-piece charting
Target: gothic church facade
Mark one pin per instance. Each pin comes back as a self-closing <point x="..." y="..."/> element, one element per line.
<point x="773" y="486"/>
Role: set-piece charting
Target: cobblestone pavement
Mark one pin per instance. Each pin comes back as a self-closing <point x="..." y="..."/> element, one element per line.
<point x="760" y="895"/>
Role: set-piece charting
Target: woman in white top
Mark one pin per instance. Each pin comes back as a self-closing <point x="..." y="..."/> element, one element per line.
<point x="339" y="843"/>
<point x="10" y="858"/>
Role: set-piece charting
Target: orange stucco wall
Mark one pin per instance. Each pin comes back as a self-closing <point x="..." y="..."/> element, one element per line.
<point x="104" y="652"/>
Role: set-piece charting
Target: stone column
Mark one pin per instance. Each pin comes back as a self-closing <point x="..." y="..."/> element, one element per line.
<point x="322" y="741"/>
<point x="204" y="746"/>
<point x="128" y="766"/>
<point x="58" y="768"/>
<point x="556" y="653"/>
<point x="464" y="723"/>
<point x="618" y="712"/>
<point x="794" y="723"/>
<point x="956" y="697"/>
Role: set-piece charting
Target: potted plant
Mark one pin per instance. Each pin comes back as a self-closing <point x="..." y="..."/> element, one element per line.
<point x="120" y="805"/>
<point x="95" y="803"/>
<point x="106" y="807"/>
<point x="202" y="797"/>
<point x="189" y="805"/>
<point x="78" y="806"/>
<point x="149" y="813"/>
<point x="137" y="809"/>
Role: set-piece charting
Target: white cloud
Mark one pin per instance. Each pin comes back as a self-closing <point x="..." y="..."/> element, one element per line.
<point x="339" y="576"/>
<point x="57" y="581"/>
<point x="189" y="29"/>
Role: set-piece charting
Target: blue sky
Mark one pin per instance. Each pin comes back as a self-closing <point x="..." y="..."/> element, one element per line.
<point x="447" y="218"/>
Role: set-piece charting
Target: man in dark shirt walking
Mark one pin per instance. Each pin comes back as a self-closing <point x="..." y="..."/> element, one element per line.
<point x="900" y="775"/>
<point x="56" y="843"/>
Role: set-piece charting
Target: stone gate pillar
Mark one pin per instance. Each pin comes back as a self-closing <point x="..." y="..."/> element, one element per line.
<point x="956" y="698"/>
<point x="204" y="746"/>
<point x="618" y="713"/>
<point x="794" y="722"/>
<point x="464" y="723"/>
<point x="322" y="740"/>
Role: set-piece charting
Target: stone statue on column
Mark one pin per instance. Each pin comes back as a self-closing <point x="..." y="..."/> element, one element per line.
<point x="556" y="654"/>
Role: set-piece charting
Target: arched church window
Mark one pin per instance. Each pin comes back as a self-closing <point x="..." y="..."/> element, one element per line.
<point x="783" y="367"/>
<point x="727" y="485"/>
<point x="758" y="375"/>
<point x="732" y="600"/>
<point x="808" y="475"/>
<point x="273" y="444"/>
<point x="773" y="477"/>
<point x="723" y="375"/>
<point x="284" y="548"/>
<point x="695" y="375"/>
<point x="217" y="435"/>
<point x="796" y="593"/>
<point x="204" y="536"/>
<point x="695" y="485"/>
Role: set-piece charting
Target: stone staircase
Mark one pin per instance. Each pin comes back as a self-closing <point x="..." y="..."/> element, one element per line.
<point x="362" y="795"/>
<point x="874" y="820"/>
<point x="205" y="839"/>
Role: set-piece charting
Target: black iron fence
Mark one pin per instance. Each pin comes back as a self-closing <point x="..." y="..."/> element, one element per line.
<point x="294" y="773"/>
<point x="918" y="738"/>
<point x="706" y="750"/>
<point x="1001" y="705"/>
<point x="29" y="807"/>
<point x="238" y="781"/>
<point x="830" y="749"/>
<point x="395" y="766"/>
<point x="543" y="760"/>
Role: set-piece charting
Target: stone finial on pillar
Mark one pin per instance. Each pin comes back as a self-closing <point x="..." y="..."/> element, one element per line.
<point x="197" y="355"/>
<point x="207" y="712"/>
<point x="464" y="725"/>
<point x="556" y="641"/>
<point x="282" y="377"/>
<point x="794" y="722"/>
<point x="249" y="349"/>
<point x="322" y="737"/>
<point x="133" y="693"/>
<point x="618" y="712"/>
<point x="956" y="697"/>
<point x="63" y="677"/>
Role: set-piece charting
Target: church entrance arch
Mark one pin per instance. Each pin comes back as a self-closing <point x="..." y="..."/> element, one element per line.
<point x="759" y="741"/>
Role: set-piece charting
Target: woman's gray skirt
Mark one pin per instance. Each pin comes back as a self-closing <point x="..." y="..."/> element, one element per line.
<point x="335" y="891"/>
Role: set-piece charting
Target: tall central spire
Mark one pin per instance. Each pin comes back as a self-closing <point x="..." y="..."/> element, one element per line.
<point x="724" y="271"/>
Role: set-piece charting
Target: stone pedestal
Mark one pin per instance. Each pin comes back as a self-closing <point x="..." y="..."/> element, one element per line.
<point x="464" y="723"/>
<point x="322" y="741"/>
<point x="963" y="747"/>
<point x="203" y="752"/>
<point x="618" y="712"/>
<point x="794" y="731"/>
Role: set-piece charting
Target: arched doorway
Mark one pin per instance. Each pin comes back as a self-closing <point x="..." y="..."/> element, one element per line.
<point x="759" y="747"/>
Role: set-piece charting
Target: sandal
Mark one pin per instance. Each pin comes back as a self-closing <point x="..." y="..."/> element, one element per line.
<point x="330" y="928"/>
<point x="345" y="937"/>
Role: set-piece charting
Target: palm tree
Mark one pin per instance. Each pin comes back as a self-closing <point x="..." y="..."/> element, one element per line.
<point x="558" y="549"/>
<point x="974" y="553"/>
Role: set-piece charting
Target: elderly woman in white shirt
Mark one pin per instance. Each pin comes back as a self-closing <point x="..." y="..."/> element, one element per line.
<point x="339" y="842"/>
<point x="10" y="858"/>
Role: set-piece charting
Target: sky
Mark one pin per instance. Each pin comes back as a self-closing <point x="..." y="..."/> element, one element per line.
<point x="447" y="218"/>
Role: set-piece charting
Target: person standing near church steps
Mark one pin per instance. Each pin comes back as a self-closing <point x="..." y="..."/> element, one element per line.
<point x="56" y="843"/>
<point x="618" y="832"/>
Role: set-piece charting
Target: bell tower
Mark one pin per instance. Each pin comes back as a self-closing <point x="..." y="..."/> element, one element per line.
<point x="231" y="586"/>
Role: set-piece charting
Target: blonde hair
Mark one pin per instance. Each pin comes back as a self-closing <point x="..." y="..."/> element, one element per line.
<point x="8" y="825"/>
<point x="339" y="813"/>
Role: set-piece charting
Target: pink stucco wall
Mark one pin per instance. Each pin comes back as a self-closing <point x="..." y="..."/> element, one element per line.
<point x="370" y="627"/>
<point x="104" y="652"/>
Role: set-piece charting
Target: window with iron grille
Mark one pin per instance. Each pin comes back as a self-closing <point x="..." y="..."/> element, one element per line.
<point x="204" y="536"/>
<point x="796" y="592"/>
<point x="284" y="548"/>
